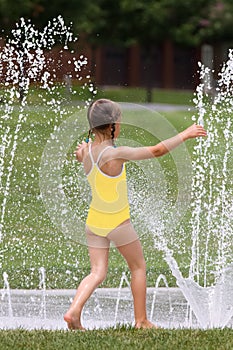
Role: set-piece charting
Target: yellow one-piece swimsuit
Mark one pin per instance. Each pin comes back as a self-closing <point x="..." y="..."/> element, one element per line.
<point x="109" y="206"/>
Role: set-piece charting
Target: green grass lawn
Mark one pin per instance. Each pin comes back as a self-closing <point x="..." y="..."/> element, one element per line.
<point x="30" y="239"/>
<point x="138" y="95"/>
<point x="119" y="94"/>
<point x="119" y="338"/>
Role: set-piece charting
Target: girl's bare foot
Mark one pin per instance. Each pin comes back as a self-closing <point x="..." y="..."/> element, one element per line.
<point x="73" y="322"/>
<point x="145" y="324"/>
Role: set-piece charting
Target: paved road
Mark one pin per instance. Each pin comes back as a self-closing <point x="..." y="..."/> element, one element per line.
<point x="156" y="107"/>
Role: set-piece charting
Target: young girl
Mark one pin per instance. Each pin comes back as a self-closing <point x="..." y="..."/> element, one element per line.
<point x="108" y="217"/>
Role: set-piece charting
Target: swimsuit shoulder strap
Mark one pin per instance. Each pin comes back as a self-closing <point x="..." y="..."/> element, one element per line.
<point x="90" y="153"/>
<point x="101" y="153"/>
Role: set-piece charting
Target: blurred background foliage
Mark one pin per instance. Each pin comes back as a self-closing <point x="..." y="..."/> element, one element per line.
<point x="126" y="22"/>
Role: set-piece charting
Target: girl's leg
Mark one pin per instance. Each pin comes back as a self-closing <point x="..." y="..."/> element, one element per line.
<point x="99" y="266"/>
<point x="133" y="254"/>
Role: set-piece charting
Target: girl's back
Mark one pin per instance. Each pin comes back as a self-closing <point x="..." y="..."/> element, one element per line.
<point x="103" y="155"/>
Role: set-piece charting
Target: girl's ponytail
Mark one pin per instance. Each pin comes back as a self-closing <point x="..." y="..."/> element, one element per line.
<point x="113" y="128"/>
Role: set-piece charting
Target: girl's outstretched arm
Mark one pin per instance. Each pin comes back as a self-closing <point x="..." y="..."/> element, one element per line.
<point x="168" y="145"/>
<point x="140" y="153"/>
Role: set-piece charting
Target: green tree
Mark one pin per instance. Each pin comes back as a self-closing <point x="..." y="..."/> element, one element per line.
<point x="125" y="22"/>
<point x="12" y="10"/>
<point x="189" y="22"/>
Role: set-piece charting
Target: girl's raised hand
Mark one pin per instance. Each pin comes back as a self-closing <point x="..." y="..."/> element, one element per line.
<point x="194" y="131"/>
<point x="79" y="151"/>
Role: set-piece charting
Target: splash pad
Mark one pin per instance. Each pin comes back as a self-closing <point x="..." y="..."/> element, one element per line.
<point x="205" y="293"/>
<point x="108" y="307"/>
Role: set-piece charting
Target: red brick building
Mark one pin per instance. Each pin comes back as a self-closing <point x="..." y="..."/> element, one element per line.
<point x="170" y="67"/>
